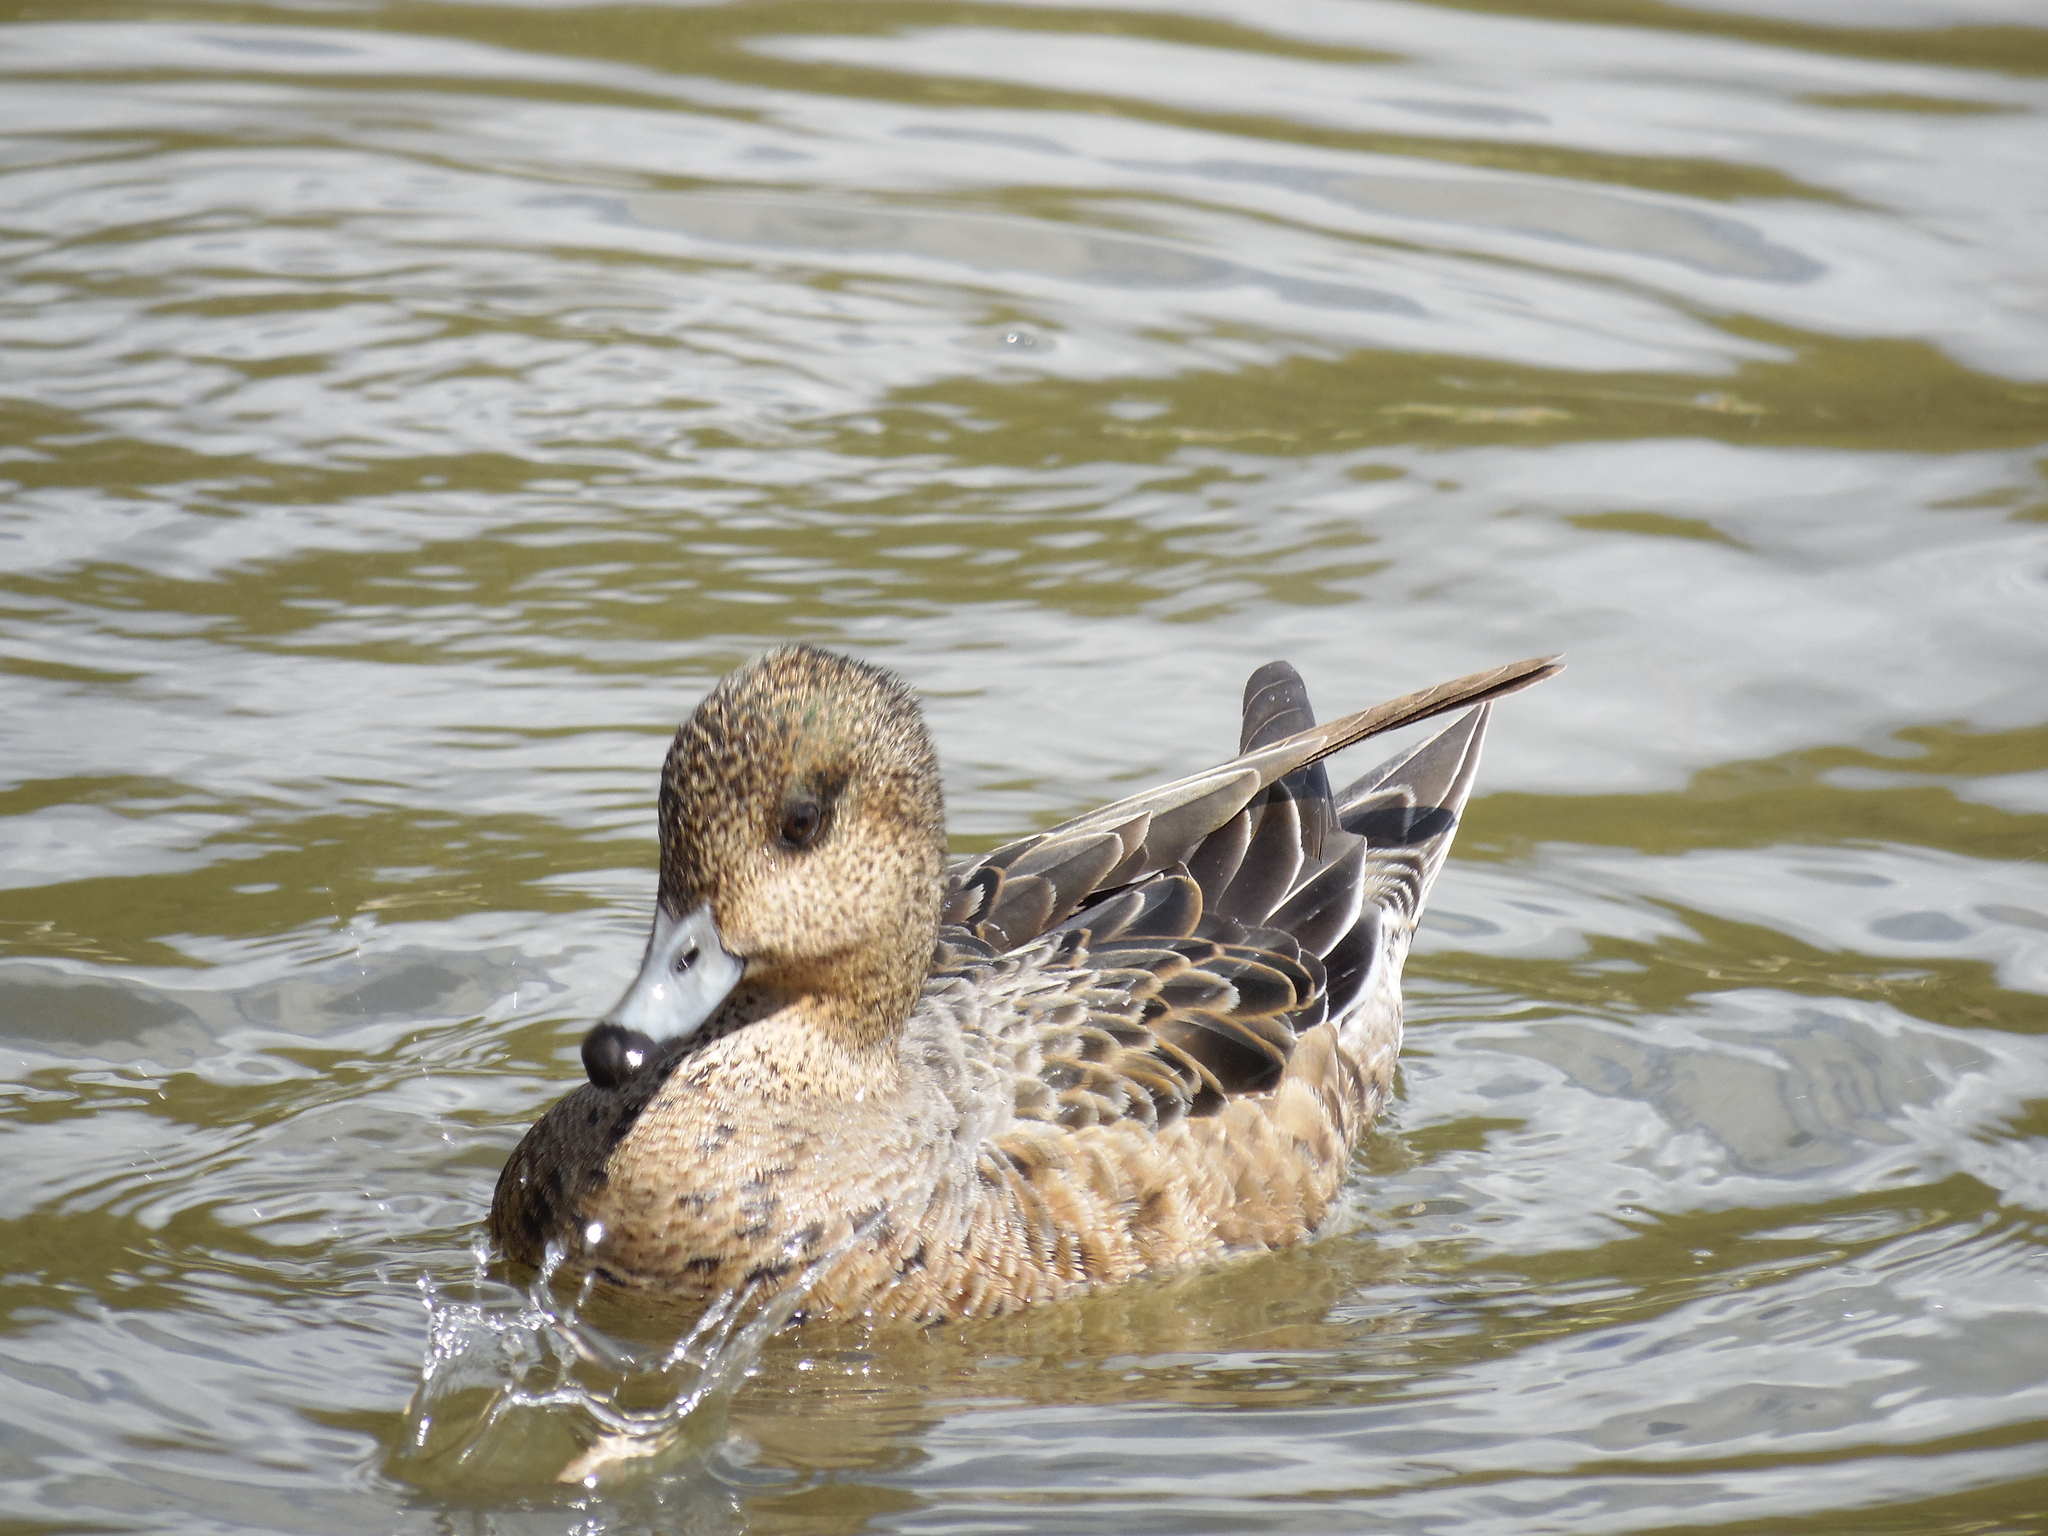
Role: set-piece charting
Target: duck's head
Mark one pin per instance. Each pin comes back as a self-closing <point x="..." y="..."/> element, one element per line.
<point x="803" y="845"/>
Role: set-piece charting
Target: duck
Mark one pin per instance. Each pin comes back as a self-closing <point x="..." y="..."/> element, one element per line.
<point x="924" y="1088"/>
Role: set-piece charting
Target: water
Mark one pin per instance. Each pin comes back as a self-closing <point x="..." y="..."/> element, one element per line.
<point x="411" y="408"/>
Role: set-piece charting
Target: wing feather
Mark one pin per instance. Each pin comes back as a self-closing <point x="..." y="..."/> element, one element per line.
<point x="1272" y="859"/>
<point x="1165" y="826"/>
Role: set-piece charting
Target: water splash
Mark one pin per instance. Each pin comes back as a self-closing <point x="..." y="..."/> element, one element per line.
<point x="518" y="1382"/>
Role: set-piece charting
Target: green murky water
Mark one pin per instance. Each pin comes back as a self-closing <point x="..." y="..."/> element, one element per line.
<point x="407" y="409"/>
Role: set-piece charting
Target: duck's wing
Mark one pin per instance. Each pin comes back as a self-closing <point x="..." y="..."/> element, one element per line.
<point x="1027" y="887"/>
<point x="1160" y="974"/>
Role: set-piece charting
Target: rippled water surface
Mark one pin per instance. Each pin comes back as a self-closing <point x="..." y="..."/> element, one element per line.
<point x="410" y="408"/>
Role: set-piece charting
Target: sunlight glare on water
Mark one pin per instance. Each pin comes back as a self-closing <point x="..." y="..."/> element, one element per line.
<point x="409" y="409"/>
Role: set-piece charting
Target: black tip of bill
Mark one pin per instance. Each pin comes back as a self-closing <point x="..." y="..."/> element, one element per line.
<point x="612" y="1054"/>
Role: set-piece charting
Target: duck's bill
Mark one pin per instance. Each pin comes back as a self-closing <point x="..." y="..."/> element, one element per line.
<point x="685" y="976"/>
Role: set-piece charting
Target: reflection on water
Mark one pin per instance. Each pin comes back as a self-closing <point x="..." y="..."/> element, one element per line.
<point x="410" y="408"/>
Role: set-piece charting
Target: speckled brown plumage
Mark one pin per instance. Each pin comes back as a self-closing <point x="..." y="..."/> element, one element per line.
<point x="1147" y="1038"/>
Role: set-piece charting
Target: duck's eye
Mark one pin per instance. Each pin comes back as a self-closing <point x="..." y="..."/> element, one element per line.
<point x="802" y="820"/>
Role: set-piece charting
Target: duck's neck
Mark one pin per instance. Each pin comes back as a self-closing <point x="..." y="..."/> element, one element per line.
<point x="861" y="1000"/>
